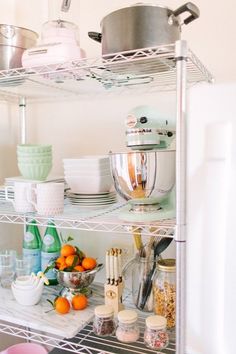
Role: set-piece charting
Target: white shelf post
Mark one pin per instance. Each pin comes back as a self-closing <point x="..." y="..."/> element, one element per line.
<point x="181" y="52"/>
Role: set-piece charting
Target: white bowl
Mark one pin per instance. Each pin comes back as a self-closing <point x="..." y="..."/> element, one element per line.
<point x="88" y="184"/>
<point x="28" y="297"/>
<point x="31" y="286"/>
<point x="25" y="279"/>
<point x="88" y="161"/>
<point x="85" y="172"/>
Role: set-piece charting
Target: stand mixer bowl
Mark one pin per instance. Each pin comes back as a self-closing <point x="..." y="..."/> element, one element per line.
<point x="144" y="177"/>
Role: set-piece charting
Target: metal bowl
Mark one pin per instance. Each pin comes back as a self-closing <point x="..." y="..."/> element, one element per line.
<point x="143" y="175"/>
<point x="77" y="280"/>
<point x="13" y="42"/>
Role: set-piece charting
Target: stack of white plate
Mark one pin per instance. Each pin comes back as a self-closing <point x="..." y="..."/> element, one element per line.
<point x="92" y="200"/>
<point x="3" y="193"/>
<point x="88" y="175"/>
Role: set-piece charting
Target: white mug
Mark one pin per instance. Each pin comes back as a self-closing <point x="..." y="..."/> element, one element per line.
<point x="49" y="198"/>
<point x="22" y="191"/>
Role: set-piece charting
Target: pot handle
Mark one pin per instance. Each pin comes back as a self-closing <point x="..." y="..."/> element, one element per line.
<point x="188" y="7"/>
<point x="96" y="36"/>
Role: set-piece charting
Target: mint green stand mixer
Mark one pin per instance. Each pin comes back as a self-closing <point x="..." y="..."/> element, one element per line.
<point x="145" y="176"/>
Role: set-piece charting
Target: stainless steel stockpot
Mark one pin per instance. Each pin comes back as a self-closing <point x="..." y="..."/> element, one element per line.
<point x="142" y="26"/>
<point x="13" y="41"/>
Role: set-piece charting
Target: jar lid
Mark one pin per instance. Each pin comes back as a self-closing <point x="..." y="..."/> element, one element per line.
<point x="104" y="311"/>
<point x="127" y="316"/>
<point x="156" y="322"/>
<point x="167" y="265"/>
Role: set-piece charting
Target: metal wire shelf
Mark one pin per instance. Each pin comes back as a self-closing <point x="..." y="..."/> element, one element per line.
<point x="85" y="342"/>
<point x="148" y="69"/>
<point x="103" y="220"/>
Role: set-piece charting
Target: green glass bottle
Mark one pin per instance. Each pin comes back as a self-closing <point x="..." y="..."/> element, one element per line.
<point x="51" y="247"/>
<point x="32" y="246"/>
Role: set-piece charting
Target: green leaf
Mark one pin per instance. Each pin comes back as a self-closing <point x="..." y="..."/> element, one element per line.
<point x="75" y="262"/>
<point x="70" y="238"/>
<point x="51" y="303"/>
<point x="50" y="266"/>
<point x="79" y="253"/>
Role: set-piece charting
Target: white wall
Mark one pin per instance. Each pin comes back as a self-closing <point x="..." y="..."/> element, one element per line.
<point x="211" y="263"/>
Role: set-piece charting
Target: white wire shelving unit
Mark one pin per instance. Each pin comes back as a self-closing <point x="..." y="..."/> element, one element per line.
<point x="78" y="218"/>
<point x="164" y="68"/>
<point x="86" y="342"/>
<point x="149" y="69"/>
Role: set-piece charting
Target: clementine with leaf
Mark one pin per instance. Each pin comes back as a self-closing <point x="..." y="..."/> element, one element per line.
<point x="89" y="263"/>
<point x="79" y="268"/>
<point x="62" y="305"/>
<point x="67" y="250"/>
<point x="72" y="260"/>
<point x="59" y="261"/>
<point x="79" y="302"/>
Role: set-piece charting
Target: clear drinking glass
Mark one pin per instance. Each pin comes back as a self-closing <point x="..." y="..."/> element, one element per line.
<point x="23" y="267"/>
<point x="7" y="267"/>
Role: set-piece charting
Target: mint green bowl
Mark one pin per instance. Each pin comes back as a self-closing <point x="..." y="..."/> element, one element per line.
<point x="34" y="160"/>
<point x="30" y="148"/>
<point x="35" y="171"/>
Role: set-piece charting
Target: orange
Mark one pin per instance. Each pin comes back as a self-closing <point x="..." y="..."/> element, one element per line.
<point x="89" y="263"/>
<point x="70" y="260"/>
<point x="62" y="305"/>
<point x="67" y="250"/>
<point x="62" y="266"/>
<point x="79" y="302"/>
<point x="79" y="268"/>
<point x="59" y="261"/>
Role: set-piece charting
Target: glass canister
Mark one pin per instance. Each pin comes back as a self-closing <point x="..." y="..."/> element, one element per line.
<point x="164" y="291"/>
<point x="127" y="330"/>
<point x="155" y="334"/>
<point x="104" y="324"/>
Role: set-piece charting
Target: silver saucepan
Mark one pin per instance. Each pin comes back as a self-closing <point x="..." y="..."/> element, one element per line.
<point x="142" y="26"/>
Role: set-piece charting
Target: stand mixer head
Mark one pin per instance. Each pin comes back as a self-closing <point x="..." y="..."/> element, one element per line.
<point x="146" y="129"/>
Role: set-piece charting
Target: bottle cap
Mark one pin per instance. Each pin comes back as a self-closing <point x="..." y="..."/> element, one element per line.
<point x="103" y="311"/>
<point x="127" y="316"/>
<point x="166" y="265"/>
<point x="156" y="322"/>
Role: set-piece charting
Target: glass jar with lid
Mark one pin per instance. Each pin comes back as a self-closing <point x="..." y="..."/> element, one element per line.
<point x="155" y="334"/>
<point x="164" y="290"/>
<point x="127" y="330"/>
<point x="104" y="324"/>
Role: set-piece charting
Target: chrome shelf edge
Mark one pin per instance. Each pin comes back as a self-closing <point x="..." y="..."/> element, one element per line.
<point x="99" y="221"/>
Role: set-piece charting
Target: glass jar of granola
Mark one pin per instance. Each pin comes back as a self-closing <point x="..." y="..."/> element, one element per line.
<point x="164" y="291"/>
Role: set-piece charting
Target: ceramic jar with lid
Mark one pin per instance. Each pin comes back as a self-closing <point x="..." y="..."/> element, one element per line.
<point x="155" y="334"/>
<point x="164" y="291"/>
<point x="127" y="330"/>
<point x="104" y="324"/>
